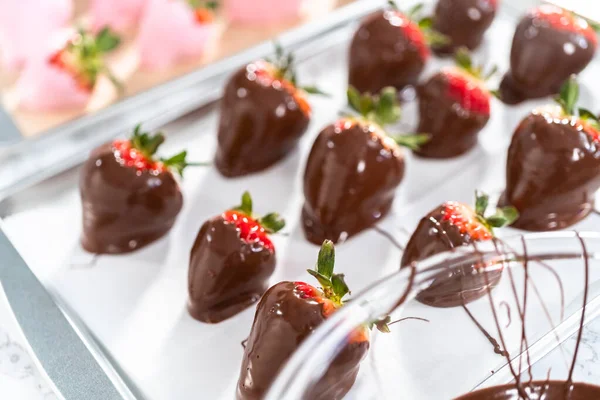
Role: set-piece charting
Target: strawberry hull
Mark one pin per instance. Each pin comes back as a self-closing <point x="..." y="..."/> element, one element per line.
<point x="464" y="22"/>
<point x="283" y="320"/>
<point x="125" y="209"/>
<point x="226" y="274"/>
<point x="453" y="128"/>
<point x="383" y="54"/>
<point x="542" y="58"/>
<point x="260" y="124"/>
<point x="552" y="173"/>
<point x="350" y="180"/>
<point x="435" y="235"/>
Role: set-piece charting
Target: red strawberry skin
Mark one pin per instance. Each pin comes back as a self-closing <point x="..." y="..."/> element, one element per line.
<point x="552" y="172"/>
<point x="230" y="265"/>
<point x="125" y="207"/>
<point x="453" y="109"/>
<point x="351" y="176"/>
<point x="545" y="53"/>
<point x="284" y="318"/>
<point x="464" y="22"/>
<point x="444" y="229"/>
<point x="262" y="120"/>
<point x="387" y="50"/>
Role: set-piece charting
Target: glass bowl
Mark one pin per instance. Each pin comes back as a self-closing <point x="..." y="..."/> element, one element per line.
<point x="537" y="292"/>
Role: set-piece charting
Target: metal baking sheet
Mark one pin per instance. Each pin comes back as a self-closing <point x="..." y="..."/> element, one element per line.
<point x="135" y="304"/>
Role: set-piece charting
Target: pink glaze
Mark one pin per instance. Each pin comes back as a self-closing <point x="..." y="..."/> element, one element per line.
<point x="169" y="32"/>
<point x="45" y="87"/>
<point x="25" y="26"/>
<point x="257" y="11"/>
<point x="119" y="15"/>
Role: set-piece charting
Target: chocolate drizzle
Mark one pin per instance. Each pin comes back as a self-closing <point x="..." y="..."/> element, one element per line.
<point x="381" y="55"/>
<point x="464" y="22"/>
<point x="350" y="180"/>
<point x="542" y="58"/>
<point x="259" y="124"/>
<point x="124" y="209"/>
<point x="226" y="274"/>
<point x="453" y="129"/>
<point x="552" y="173"/>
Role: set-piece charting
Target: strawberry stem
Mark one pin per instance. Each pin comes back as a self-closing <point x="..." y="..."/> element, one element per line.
<point x="382" y="109"/>
<point x="272" y="222"/>
<point x="246" y="205"/>
<point x="413" y="142"/>
<point x="179" y="163"/>
<point x="568" y="95"/>
<point x="333" y="285"/>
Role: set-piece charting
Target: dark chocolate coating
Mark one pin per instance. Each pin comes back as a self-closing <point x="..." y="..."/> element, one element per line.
<point x="541" y="59"/>
<point x="464" y="22"/>
<point x="226" y="274"/>
<point x="349" y="183"/>
<point x="451" y="288"/>
<point x="124" y="209"/>
<point x="283" y="320"/>
<point x="259" y="125"/>
<point x="538" y="390"/>
<point x="552" y="173"/>
<point x="382" y="55"/>
<point x="453" y="129"/>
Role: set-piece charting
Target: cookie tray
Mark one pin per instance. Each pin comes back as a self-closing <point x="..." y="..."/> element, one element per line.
<point x="135" y="304"/>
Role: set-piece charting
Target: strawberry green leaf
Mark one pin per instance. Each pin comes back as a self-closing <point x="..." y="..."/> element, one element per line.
<point x="315" y="90"/>
<point x="326" y="259"/>
<point x="586" y="114"/>
<point x="496" y="93"/>
<point x="340" y="288"/>
<point x="211" y="5"/>
<point x="387" y="109"/>
<point x="393" y="4"/>
<point x="179" y="163"/>
<point x="323" y="280"/>
<point x="413" y="142"/>
<point x="246" y="206"/>
<point x="433" y="37"/>
<point x="569" y="93"/>
<point x="491" y="72"/>
<point x="503" y="217"/>
<point x="354" y="98"/>
<point x="414" y="12"/>
<point x="146" y="143"/>
<point x="272" y="222"/>
<point x="463" y="59"/>
<point x="481" y="203"/>
<point x="107" y="41"/>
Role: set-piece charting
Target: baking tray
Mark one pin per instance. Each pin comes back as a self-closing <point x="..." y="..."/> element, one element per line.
<point x="136" y="304"/>
<point x="26" y="162"/>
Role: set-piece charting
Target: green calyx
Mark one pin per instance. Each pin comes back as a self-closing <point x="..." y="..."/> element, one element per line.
<point x="381" y="324"/>
<point x="285" y="69"/>
<point x="86" y="54"/>
<point x="502" y="217"/>
<point x="148" y="144"/>
<point x="333" y="285"/>
<point x="463" y="59"/>
<point x="432" y="37"/>
<point x="383" y="109"/>
<point x="209" y="5"/>
<point x="272" y="222"/>
<point x="567" y="99"/>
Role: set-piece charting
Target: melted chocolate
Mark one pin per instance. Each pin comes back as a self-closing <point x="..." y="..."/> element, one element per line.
<point x="552" y="173"/>
<point x="538" y="390"/>
<point x="350" y="180"/>
<point x="464" y="22"/>
<point x="124" y="209"/>
<point x="451" y="288"/>
<point x="453" y="129"/>
<point x="283" y="320"/>
<point x="260" y="124"/>
<point x="226" y="274"/>
<point x="382" y="55"/>
<point x="542" y="58"/>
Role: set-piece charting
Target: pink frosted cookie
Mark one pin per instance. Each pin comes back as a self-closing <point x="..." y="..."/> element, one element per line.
<point x="119" y="15"/>
<point x="173" y="30"/>
<point x="25" y="23"/>
<point x="65" y="78"/>
<point x="257" y="11"/>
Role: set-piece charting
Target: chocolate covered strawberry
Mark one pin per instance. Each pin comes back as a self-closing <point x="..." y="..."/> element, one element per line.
<point x="354" y="169"/>
<point x="454" y="105"/>
<point x="231" y="262"/>
<point x="549" y="45"/>
<point x="390" y="49"/>
<point x="67" y="77"/>
<point x="129" y="197"/>
<point x="286" y="315"/>
<point x="263" y="115"/>
<point x="452" y="225"/>
<point x="173" y="31"/>
<point x="463" y="22"/>
<point x="553" y="165"/>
